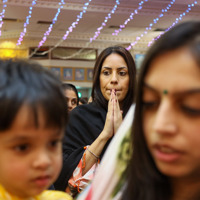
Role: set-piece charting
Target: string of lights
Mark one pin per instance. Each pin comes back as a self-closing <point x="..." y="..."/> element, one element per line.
<point x="61" y="3"/>
<point x="105" y="21"/>
<point x="103" y="24"/>
<point x="80" y="16"/>
<point x="122" y="26"/>
<point x="22" y="34"/>
<point x="151" y="24"/>
<point x="70" y="29"/>
<point x="2" y="14"/>
<point x="46" y="34"/>
<point x="175" y="22"/>
<point x="97" y="32"/>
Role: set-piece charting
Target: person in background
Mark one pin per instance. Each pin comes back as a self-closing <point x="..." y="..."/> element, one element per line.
<point x="71" y="95"/>
<point x="90" y="99"/>
<point x="82" y="101"/>
<point x="113" y="164"/>
<point x="32" y="123"/>
<point x="165" y="163"/>
<point x="92" y="126"/>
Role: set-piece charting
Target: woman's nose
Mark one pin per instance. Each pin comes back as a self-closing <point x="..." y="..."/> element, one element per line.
<point x="165" y="119"/>
<point x="69" y="104"/>
<point x="114" y="78"/>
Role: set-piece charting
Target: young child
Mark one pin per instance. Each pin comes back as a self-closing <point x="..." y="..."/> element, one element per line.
<point x="32" y="122"/>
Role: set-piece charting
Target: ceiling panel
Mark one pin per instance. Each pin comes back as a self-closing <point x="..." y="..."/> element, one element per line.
<point x="44" y="11"/>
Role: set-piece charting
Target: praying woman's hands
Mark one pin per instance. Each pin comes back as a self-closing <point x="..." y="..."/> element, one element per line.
<point x="112" y="123"/>
<point x="113" y="117"/>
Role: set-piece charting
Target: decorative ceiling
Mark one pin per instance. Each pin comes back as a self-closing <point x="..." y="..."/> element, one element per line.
<point x="91" y="23"/>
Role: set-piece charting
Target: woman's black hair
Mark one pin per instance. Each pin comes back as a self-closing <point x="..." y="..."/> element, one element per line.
<point x="83" y="101"/>
<point x="145" y="182"/>
<point x="24" y="83"/>
<point x="69" y="86"/>
<point x="97" y="96"/>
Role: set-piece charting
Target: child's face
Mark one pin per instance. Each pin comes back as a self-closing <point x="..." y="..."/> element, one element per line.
<point x="171" y="104"/>
<point x="30" y="157"/>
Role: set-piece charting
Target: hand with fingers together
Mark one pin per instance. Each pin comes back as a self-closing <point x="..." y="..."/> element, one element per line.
<point x="113" y="117"/>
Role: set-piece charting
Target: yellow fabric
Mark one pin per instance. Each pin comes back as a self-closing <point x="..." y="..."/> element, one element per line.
<point x="46" y="195"/>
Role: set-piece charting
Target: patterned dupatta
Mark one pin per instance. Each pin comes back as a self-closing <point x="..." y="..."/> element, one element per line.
<point x="110" y="180"/>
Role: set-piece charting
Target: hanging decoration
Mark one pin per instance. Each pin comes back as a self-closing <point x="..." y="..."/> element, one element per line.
<point x="105" y="21"/>
<point x="46" y="34"/>
<point x="80" y="16"/>
<point x="2" y="14"/>
<point x="70" y="29"/>
<point x="61" y="3"/>
<point x="103" y="24"/>
<point x="116" y="32"/>
<point x="96" y="33"/>
<point x="22" y="34"/>
<point x="175" y="22"/>
<point x="151" y="24"/>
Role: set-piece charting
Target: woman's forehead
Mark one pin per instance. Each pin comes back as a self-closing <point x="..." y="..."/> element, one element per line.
<point x="176" y="67"/>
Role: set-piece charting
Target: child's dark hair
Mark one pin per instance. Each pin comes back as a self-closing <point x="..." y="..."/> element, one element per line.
<point x="25" y="83"/>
